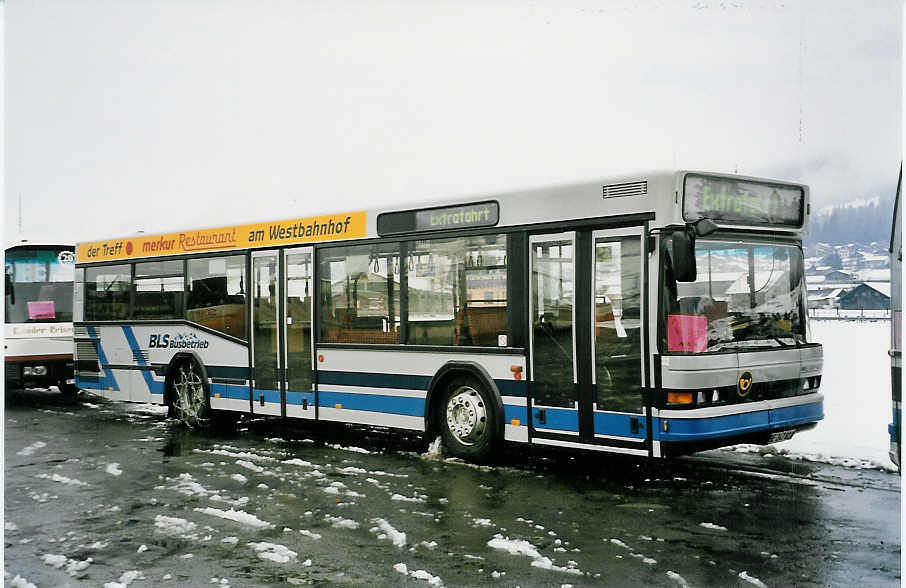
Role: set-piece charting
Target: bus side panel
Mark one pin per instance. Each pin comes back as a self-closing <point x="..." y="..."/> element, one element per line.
<point x="134" y="361"/>
<point x="389" y="387"/>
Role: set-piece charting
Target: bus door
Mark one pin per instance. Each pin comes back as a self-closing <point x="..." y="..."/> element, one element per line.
<point x="586" y="339"/>
<point x="267" y="395"/>
<point x="617" y="318"/>
<point x="297" y="352"/>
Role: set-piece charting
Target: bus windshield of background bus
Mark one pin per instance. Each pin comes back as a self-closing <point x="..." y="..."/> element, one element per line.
<point x="745" y="296"/>
<point x="41" y="281"/>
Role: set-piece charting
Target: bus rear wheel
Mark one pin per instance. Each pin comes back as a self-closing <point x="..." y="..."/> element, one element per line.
<point x="467" y="420"/>
<point x="188" y="395"/>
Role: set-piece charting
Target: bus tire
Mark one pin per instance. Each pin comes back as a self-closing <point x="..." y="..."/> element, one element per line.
<point x="467" y="419"/>
<point x="188" y="394"/>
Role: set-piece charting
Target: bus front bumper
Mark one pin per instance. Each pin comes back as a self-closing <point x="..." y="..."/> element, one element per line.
<point x="769" y="421"/>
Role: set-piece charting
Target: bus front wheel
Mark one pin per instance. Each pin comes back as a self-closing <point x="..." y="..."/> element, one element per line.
<point x="467" y="420"/>
<point x="188" y="395"/>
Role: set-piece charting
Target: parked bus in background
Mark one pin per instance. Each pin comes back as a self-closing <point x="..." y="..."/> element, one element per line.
<point x="653" y="315"/>
<point x="37" y="329"/>
<point x="896" y="326"/>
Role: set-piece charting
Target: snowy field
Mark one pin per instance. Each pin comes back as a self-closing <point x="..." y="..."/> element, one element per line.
<point x="856" y="387"/>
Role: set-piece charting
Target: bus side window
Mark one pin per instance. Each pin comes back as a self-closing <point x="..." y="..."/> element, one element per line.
<point x="216" y="298"/>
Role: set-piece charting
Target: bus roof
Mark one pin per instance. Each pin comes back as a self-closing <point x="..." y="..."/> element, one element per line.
<point x="653" y="195"/>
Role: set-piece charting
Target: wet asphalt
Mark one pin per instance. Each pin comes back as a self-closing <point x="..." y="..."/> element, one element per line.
<point x="312" y="504"/>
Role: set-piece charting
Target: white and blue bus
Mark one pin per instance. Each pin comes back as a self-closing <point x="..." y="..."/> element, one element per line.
<point x="37" y="316"/>
<point x="655" y="314"/>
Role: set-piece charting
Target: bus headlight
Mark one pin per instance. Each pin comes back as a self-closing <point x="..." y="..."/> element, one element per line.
<point x="34" y="370"/>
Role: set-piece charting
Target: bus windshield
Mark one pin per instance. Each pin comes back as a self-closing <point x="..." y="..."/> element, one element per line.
<point x="39" y="285"/>
<point x="745" y="295"/>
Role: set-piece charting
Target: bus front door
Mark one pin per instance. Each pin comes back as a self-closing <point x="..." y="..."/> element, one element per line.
<point x="586" y="340"/>
<point x="267" y="395"/>
<point x="297" y="313"/>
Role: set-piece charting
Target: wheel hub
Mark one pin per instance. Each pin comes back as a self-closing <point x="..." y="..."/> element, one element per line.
<point x="466" y="415"/>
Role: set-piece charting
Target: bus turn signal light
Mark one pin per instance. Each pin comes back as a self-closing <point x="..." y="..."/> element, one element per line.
<point x="679" y="397"/>
<point x="517" y="372"/>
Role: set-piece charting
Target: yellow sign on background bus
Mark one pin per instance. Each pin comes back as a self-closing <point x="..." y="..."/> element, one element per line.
<point x="332" y="227"/>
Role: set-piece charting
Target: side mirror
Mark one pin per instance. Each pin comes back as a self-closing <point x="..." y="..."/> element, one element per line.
<point x="683" y="241"/>
<point x="704" y="227"/>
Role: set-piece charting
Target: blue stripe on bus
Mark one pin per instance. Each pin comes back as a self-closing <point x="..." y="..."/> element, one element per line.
<point x="514" y="413"/>
<point x="372" y="402"/>
<point x="153" y="387"/>
<point x="404" y="381"/>
<point x="558" y="419"/>
<point x="296" y="398"/>
<point x="108" y="381"/>
<point x="737" y="424"/>
<point x="269" y="395"/>
<point x="236" y="392"/>
<point x="795" y="415"/>
<point x="619" y="424"/>
<point x="240" y="392"/>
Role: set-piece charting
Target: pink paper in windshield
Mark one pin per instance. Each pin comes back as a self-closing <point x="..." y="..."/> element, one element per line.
<point x="687" y="332"/>
<point x="41" y="309"/>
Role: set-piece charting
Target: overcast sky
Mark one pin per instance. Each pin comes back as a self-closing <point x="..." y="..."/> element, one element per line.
<point x="133" y="115"/>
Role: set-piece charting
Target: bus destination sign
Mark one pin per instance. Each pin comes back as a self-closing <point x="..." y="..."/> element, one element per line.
<point x="467" y="216"/>
<point x="742" y="202"/>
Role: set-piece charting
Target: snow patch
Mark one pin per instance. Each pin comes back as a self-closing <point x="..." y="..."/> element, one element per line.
<point x="744" y="575"/>
<point x="73" y="566"/>
<point x="418" y="574"/>
<point x="340" y="522"/>
<point x="435" y="450"/>
<point x="385" y="530"/>
<point x="678" y="579"/>
<point x="712" y="526"/>
<point x="522" y="547"/>
<point x="126" y="579"/>
<point x="30" y="450"/>
<point x="237" y="454"/>
<point x="239" y="478"/>
<point x="352" y="449"/>
<point x="20" y="582"/>
<point x="273" y="551"/>
<point x="62" y="479"/>
<point x="173" y="525"/>
<point x="417" y="498"/>
<point x="113" y="469"/>
<point x="239" y="516"/>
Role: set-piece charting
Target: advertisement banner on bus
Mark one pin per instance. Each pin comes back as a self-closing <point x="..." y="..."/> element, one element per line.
<point x="332" y="227"/>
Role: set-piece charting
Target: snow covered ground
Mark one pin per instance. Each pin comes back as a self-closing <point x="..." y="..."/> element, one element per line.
<point x="856" y="387"/>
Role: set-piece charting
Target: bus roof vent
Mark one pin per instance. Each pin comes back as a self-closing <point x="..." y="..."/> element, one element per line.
<point x="626" y="189"/>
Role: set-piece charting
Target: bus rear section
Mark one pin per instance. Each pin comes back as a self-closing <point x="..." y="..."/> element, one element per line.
<point x="38" y="288"/>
